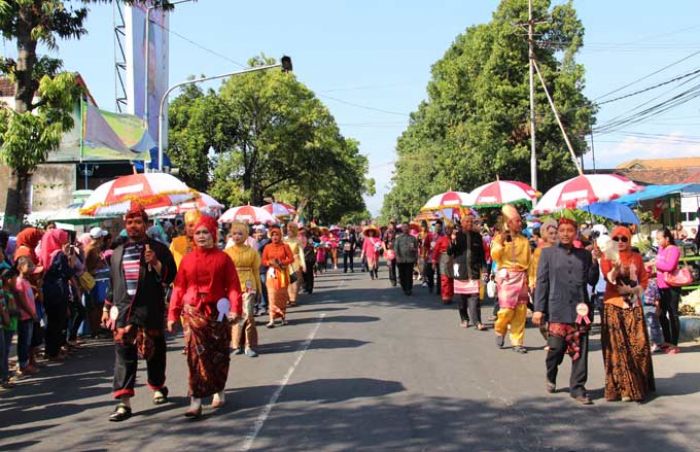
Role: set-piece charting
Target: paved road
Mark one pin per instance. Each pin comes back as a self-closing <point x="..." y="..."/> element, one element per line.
<point x="360" y="366"/>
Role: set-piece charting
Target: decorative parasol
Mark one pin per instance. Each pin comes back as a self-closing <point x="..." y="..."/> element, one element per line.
<point x="280" y="209"/>
<point x="447" y="200"/>
<point x="584" y="190"/>
<point x="495" y="194"/>
<point x="151" y="190"/>
<point x="247" y="214"/>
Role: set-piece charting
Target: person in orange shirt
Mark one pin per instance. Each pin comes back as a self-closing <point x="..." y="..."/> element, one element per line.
<point x="277" y="256"/>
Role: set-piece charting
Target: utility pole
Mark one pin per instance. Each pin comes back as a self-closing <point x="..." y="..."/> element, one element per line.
<point x="531" y="59"/>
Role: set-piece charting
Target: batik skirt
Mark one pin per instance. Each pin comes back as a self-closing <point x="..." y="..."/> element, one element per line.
<point x="208" y="355"/>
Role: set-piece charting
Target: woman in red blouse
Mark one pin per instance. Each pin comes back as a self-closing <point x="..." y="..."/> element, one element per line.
<point x="277" y="256"/>
<point x="207" y="293"/>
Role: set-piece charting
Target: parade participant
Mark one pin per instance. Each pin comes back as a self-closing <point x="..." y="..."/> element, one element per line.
<point x="561" y="296"/>
<point x="469" y="264"/>
<point x="444" y="263"/>
<point x="299" y="264"/>
<point x="309" y="260"/>
<point x="207" y="292"/>
<point x="666" y="263"/>
<point x="262" y="240"/>
<point x="183" y="244"/>
<point x="349" y="243"/>
<point x="406" y="249"/>
<point x="27" y="242"/>
<point x="548" y="233"/>
<point x="277" y="256"/>
<point x="389" y="237"/>
<point x="511" y="251"/>
<point x="58" y="259"/>
<point x="333" y="245"/>
<point x="426" y="242"/>
<point x="629" y="374"/>
<point x="371" y="249"/>
<point x="247" y="261"/>
<point x="135" y="310"/>
<point x="322" y="250"/>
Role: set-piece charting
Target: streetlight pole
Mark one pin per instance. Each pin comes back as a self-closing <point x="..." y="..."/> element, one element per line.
<point x="285" y="64"/>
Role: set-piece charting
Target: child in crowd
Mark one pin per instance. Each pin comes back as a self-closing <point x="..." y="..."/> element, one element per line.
<point x="7" y="299"/>
<point x="651" y="299"/>
<point x="27" y="317"/>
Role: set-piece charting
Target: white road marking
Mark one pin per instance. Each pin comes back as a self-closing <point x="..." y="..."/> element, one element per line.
<point x="262" y="417"/>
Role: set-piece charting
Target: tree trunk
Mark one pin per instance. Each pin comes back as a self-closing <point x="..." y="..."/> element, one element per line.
<point x="17" y="201"/>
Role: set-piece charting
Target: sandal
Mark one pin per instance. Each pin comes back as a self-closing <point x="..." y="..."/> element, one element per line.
<point x="160" y="396"/>
<point x="481" y="327"/>
<point x="194" y="414"/>
<point x="270" y="325"/>
<point x="121" y="413"/>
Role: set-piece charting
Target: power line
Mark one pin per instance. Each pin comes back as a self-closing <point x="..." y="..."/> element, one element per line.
<point x="658" y="85"/>
<point x="365" y="107"/>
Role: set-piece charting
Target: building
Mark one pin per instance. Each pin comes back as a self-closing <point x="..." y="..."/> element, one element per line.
<point x="661" y="171"/>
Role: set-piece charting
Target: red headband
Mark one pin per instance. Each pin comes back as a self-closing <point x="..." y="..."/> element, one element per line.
<point x="136" y="210"/>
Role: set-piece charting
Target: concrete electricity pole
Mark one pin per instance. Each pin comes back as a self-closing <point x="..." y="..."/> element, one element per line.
<point x="531" y="59"/>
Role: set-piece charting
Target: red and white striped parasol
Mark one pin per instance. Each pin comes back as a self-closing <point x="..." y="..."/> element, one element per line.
<point x="247" y="214"/>
<point x="280" y="209"/>
<point x="583" y="190"/>
<point x="501" y="192"/>
<point x="447" y="200"/>
<point x="203" y="202"/>
<point x="151" y="190"/>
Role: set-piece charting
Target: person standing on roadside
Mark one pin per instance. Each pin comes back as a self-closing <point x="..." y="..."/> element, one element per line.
<point x="406" y="250"/>
<point x="666" y="263"/>
<point x="561" y="297"/>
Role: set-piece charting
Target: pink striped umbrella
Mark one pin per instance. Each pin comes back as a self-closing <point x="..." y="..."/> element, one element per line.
<point x="447" y="200"/>
<point x="280" y="209"/>
<point x="501" y="192"/>
<point x="583" y="190"/>
<point x="247" y="214"/>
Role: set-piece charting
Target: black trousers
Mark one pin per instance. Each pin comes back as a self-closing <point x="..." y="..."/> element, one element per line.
<point x="579" y="368"/>
<point x="669" y="319"/>
<point x="126" y="364"/>
<point x="348" y="256"/>
<point x="438" y="283"/>
<point x="406" y="276"/>
<point x="469" y="308"/>
<point x="308" y="277"/>
<point x="429" y="275"/>
<point x="392" y="271"/>
<point x="56" y="326"/>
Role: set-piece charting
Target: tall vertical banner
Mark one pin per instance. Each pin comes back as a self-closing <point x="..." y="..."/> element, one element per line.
<point x="153" y="72"/>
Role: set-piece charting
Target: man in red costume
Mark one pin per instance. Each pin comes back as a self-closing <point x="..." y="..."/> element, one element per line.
<point x="135" y="309"/>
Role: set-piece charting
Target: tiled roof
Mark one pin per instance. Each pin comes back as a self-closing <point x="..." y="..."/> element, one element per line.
<point x="681" y="162"/>
<point x="662" y="176"/>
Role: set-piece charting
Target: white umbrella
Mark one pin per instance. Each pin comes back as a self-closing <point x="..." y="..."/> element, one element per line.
<point x="247" y="214"/>
<point x="583" y="190"/>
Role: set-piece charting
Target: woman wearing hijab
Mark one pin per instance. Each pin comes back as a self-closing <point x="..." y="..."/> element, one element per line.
<point x="58" y="260"/>
<point x="629" y="375"/>
<point x="247" y="261"/>
<point x="207" y="292"/>
<point x="299" y="265"/>
<point x="277" y="256"/>
<point x="27" y="241"/>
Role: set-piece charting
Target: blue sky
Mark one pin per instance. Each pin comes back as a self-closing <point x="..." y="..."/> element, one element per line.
<point x="369" y="61"/>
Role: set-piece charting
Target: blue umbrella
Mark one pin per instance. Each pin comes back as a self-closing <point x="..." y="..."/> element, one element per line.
<point x="614" y="211"/>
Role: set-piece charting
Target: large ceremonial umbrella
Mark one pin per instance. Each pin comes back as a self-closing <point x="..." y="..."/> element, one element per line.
<point x="614" y="211"/>
<point x="203" y="203"/>
<point x="447" y="200"/>
<point x="280" y="209"/>
<point x="150" y="190"/>
<point x="583" y="190"/>
<point x="495" y="194"/>
<point x="247" y="214"/>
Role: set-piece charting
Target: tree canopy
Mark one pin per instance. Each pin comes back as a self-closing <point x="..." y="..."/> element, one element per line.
<point x="265" y="135"/>
<point x="473" y="127"/>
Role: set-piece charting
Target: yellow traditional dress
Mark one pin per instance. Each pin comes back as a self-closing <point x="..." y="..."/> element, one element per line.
<point x="247" y="262"/>
<point x="298" y="267"/>
<point x="180" y="247"/>
<point x="513" y="259"/>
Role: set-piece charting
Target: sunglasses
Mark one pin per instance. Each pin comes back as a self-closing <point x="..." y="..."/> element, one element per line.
<point x="622" y="239"/>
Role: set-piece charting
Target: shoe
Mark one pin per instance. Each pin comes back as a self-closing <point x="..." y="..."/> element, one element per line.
<point x="194" y="413"/>
<point x="551" y="388"/>
<point x="237" y="351"/>
<point x="121" y="413"/>
<point x="626" y="399"/>
<point x="270" y="325"/>
<point x="481" y="327"/>
<point x="520" y="349"/>
<point x="160" y="396"/>
<point x="29" y="370"/>
<point x="499" y="341"/>
<point x="583" y="399"/>
<point x="250" y="353"/>
<point x="218" y="400"/>
<point x="262" y="312"/>
<point x="464" y="324"/>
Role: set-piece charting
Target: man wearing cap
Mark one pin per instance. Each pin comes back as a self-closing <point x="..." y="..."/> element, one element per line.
<point x="135" y="309"/>
<point x="561" y="296"/>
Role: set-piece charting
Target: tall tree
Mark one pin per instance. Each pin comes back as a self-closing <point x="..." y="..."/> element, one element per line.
<point x="266" y="135"/>
<point x="474" y="125"/>
<point x="43" y="95"/>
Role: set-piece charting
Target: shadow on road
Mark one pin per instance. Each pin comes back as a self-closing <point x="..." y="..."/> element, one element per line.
<point x="316" y="344"/>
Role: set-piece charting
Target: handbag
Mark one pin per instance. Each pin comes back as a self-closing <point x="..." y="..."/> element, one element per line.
<point x="86" y="281"/>
<point x="679" y="277"/>
<point x="467" y="286"/>
<point x="293" y="277"/>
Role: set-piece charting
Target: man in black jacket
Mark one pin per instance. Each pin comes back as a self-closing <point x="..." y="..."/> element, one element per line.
<point x="135" y="309"/>
<point x="561" y="296"/>
<point x="467" y="250"/>
<point x="348" y="244"/>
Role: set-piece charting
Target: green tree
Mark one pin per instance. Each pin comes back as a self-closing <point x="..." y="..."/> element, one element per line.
<point x="265" y="135"/>
<point x="43" y="95"/>
<point x="474" y="125"/>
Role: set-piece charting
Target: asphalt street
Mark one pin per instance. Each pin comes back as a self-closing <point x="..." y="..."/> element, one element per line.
<point x="360" y="366"/>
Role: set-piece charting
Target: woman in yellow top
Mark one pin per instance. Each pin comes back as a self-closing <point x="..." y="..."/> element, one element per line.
<point x="182" y="245"/>
<point x="299" y="265"/>
<point x="511" y="251"/>
<point x="548" y="234"/>
<point x="247" y="261"/>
